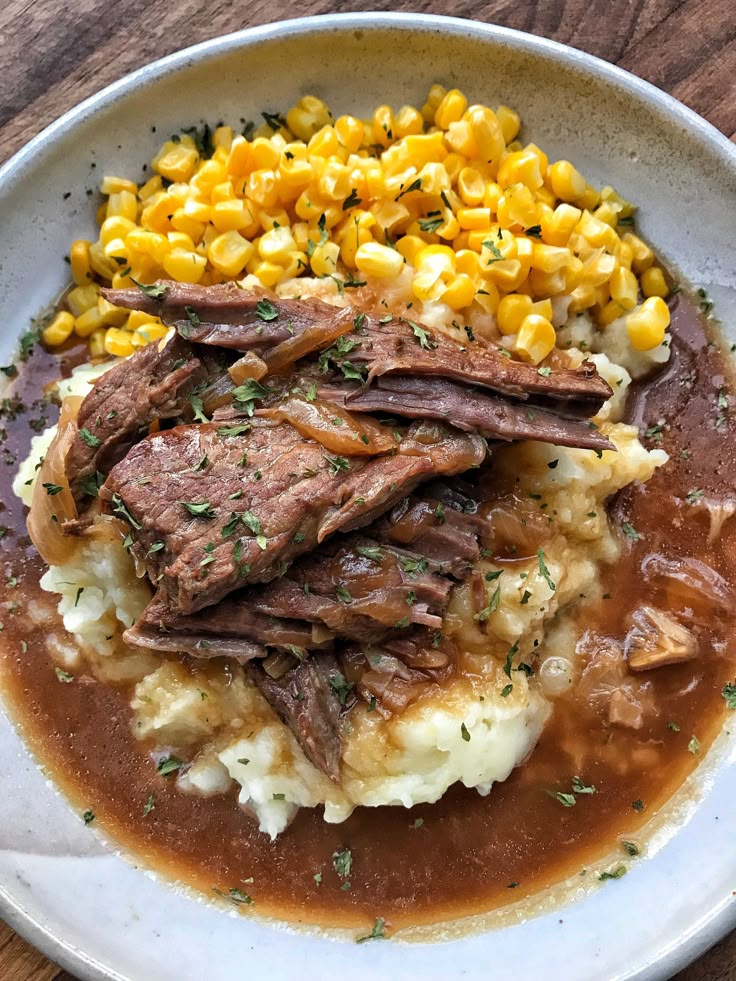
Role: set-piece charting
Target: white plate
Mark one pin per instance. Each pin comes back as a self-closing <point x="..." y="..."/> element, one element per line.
<point x="85" y="906"/>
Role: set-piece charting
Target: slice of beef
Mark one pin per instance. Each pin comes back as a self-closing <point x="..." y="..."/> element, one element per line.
<point x="213" y="508"/>
<point x="467" y="409"/>
<point x="438" y="524"/>
<point x="151" y="385"/>
<point x="358" y="589"/>
<point x="227" y="316"/>
<point x="233" y="628"/>
<point x="389" y="345"/>
<point x="310" y="700"/>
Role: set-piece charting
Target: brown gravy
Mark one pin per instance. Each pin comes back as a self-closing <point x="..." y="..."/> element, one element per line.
<point x="472" y="853"/>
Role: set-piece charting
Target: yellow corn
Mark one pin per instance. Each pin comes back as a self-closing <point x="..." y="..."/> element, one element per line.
<point x="82" y="298"/>
<point x="374" y="259"/>
<point x="451" y="109"/>
<point x="118" y="342"/>
<point x="111" y="185"/>
<point x="459" y="293"/>
<point x="123" y="204"/>
<point x="610" y="312"/>
<point x="324" y="259"/>
<point x="184" y="266"/>
<point x="647" y="324"/>
<point x="511" y="312"/>
<point x="177" y="161"/>
<point x="408" y="122"/>
<point x="566" y="181"/>
<point x="147" y="333"/>
<point x="509" y="121"/>
<point x="536" y="338"/>
<point x="111" y="315"/>
<point x="88" y="322"/>
<point x="59" y="330"/>
<point x="79" y="262"/>
<point x="96" y="343"/>
<point x="229" y="253"/>
<point x="624" y="288"/>
<point x="643" y="257"/>
<point x="308" y="116"/>
<point x="653" y="282"/>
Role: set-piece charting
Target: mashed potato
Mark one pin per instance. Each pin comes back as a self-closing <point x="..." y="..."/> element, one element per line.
<point x="474" y="730"/>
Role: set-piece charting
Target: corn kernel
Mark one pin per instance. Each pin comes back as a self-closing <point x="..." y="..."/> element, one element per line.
<point x="408" y="122"/>
<point x="59" y="330"/>
<point x="509" y="121"/>
<point x="324" y="259"/>
<point x="111" y="315"/>
<point x="176" y="161"/>
<point x="409" y="246"/>
<point x="275" y="245"/>
<point x="474" y="218"/>
<point x="269" y="273"/>
<point x="516" y="207"/>
<point x="643" y="255"/>
<point x="82" y="298"/>
<point x="624" y="288"/>
<point x="184" y="266"/>
<point x="229" y="252"/>
<point x="512" y="309"/>
<point x="349" y="132"/>
<point x="460" y="293"/>
<point x="374" y="259"/>
<point x="96" y="343"/>
<point x="566" y="181"/>
<point x="653" y="282"/>
<point x="610" y="312"/>
<point x="123" y="204"/>
<point x="436" y="95"/>
<point x="543" y="308"/>
<point x="590" y="198"/>
<point x="451" y="109"/>
<point x="118" y="342"/>
<point x="522" y="167"/>
<point x="647" y="324"/>
<point x="549" y="258"/>
<point x="111" y="185"/>
<point x="307" y="117"/>
<point x="89" y="321"/>
<point x="536" y="338"/>
<point x="137" y="318"/>
<point x="558" y="226"/>
<point x="148" y="332"/>
<point x="79" y="262"/>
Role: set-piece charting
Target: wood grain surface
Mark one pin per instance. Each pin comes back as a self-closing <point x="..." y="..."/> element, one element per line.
<point x="53" y="55"/>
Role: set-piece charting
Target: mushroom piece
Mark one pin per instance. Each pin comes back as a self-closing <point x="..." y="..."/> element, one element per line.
<point x="656" y="639"/>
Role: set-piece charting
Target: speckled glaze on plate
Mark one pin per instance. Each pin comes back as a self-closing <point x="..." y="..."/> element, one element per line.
<point x="95" y="912"/>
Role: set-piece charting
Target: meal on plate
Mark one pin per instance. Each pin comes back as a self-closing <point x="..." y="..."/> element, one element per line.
<point x="383" y="553"/>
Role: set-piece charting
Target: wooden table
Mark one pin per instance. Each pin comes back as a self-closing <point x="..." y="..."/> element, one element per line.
<point x="54" y="55"/>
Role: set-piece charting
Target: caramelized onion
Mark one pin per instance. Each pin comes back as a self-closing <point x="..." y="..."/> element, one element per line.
<point x="316" y="336"/>
<point x="50" y="510"/>
<point x="334" y="427"/>
<point x="249" y="366"/>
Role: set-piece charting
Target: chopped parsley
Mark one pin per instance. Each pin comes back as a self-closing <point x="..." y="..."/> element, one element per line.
<point x="377" y="933"/>
<point x="352" y="200"/>
<point x="63" y="676"/>
<point x="89" y="438"/>
<point x="567" y="800"/>
<point x="630" y="848"/>
<point x="341" y="687"/>
<point x="266" y="310"/>
<point x="616" y="873"/>
<point x="628" y="529"/>
<point x="201" y="510"/>
<point x="694" y="746"/>
<point x="579" y="787"/>
<point x="343" y="594"/>
<point x="167" y="765"/>
<point x="88" y="816"/>
<point x="491" y="606"/>
<point x="342" y="862"/>
<point x="414" y="566"/>
<point x="156" y="291"/>
<point x="544" y="571"/>
<point x="464" y="732"/>
<point x="729" y="693"/>
<point x="149" y="805"/>
<point x="198" y="409"/>
<point x="337" y="464"/>
<point x="246" y="394"/>
<point x="422" y="336"/>
<point x="370" y="552"/>
<point x="638" y="804"/>
<point x="52" y="489"/>
<point x="236" y="430"/>
<point x="193" y="316"/>
<point x="430" y="224"/>
<point x="439" y="513"/>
